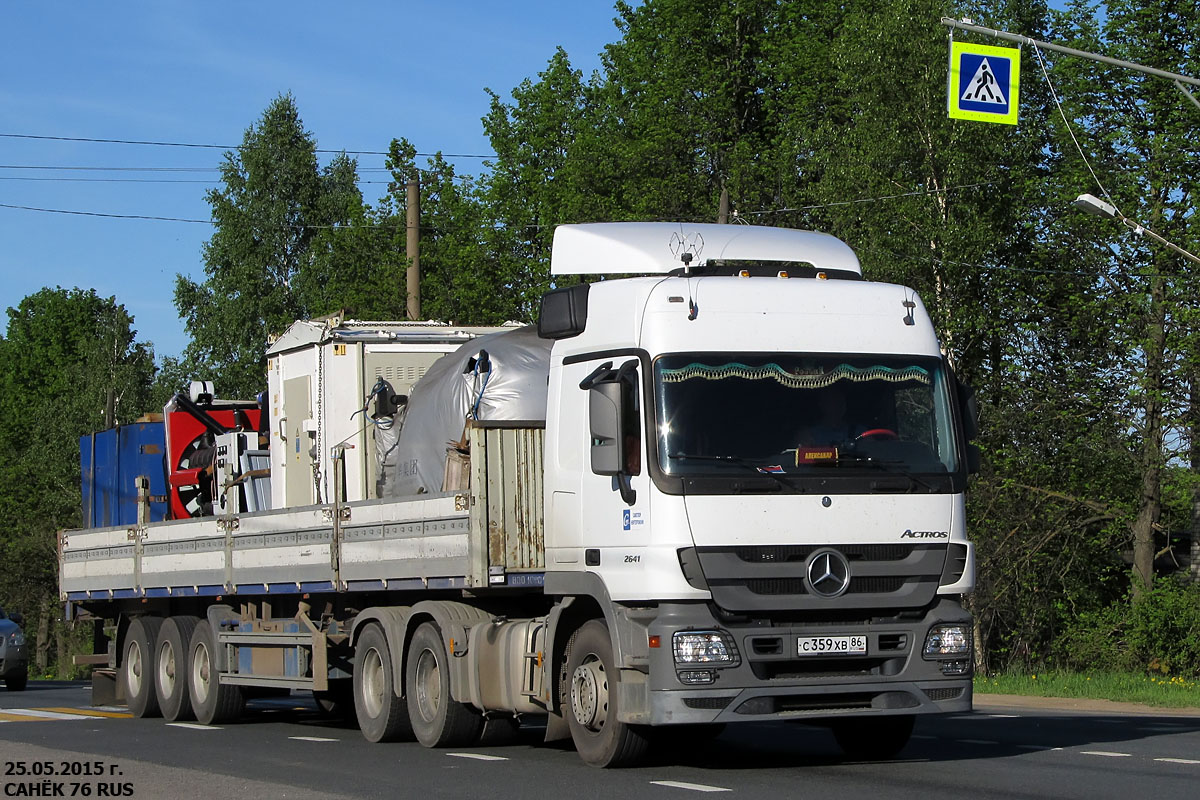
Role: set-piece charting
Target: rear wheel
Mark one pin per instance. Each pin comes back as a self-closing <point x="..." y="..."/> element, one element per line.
<point x="873" y="739"/>
<point x="212" y="701"/>
<point x="381" y="714"/>
<point x="601" y="739"/>
<point x="170" y="667"/>
<point x="137" y="666"/>
<point x="438" y="720"/>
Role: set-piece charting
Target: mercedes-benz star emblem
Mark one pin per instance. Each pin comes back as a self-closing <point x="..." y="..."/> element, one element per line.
<point x="828" y="573"/>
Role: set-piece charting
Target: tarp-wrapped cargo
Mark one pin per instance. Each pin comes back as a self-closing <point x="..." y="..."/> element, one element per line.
<point x="502" y="376"/>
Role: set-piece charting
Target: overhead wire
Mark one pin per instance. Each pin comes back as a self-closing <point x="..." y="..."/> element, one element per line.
<point x="222" y="146"/>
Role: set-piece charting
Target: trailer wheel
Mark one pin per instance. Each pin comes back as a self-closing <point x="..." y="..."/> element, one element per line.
<point x="137" y="666"/>
<point x="212" y="701"/>
<point x="381" y="714"/>
<point x="170" y="667"/>
<point x="438" y="720"/>
<point x="873" y="739"/>
<point x="601" y="739"/>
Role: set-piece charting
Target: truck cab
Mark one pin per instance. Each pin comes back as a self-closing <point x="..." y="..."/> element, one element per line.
<point x="756" y="464"/>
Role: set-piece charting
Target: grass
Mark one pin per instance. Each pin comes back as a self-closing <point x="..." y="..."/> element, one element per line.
<point x="1152" y="690"/>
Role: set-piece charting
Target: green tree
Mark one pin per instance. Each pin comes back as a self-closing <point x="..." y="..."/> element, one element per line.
<point x="269" y="216"/>
<point x="69" y="365"/>
<point x="1141" y="137"/>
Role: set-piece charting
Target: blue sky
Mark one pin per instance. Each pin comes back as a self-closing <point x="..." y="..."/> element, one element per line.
<point x="362" y="73"/>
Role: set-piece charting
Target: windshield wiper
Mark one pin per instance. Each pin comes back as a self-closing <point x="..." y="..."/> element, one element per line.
<point x="891" y="466"/>
<point x="739" y="461"/>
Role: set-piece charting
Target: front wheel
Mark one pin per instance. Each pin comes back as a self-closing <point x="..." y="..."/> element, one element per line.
<point x="16" y="683"/>
<point x="875" y="739"/>
<point x="601" y="739"/>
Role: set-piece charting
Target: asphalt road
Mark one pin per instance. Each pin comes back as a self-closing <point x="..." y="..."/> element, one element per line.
<point x="51" y="738"/>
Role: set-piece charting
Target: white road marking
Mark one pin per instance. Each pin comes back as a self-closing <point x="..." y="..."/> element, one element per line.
<point x="1178" y="760"/>
<point x="313" y="739"/>
<point x="192" y="726"/>
<point x="695" y="787"/>
<point x="478" y="756"/>
<point x="1105" y="753"/>
<point x="1002" y="716"/>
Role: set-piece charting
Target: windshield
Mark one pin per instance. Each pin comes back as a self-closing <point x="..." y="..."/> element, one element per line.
<point x="802" y="414"/>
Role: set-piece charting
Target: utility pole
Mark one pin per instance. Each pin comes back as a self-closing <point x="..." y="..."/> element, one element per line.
<point x="412" y="249"/>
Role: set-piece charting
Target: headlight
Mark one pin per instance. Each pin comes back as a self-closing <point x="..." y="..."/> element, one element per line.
<point x="704" y="647"/>
<point x="947" y="640"/>
<point x="16" y="639"/>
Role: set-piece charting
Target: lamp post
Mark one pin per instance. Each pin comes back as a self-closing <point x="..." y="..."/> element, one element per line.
<point x="1097" y="207"/>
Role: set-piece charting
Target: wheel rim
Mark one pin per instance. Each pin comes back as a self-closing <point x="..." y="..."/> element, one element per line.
<point x="374" y="683"/>
<point x="589" y="694"/>
<point x="429" y="685"/>
<point x="166" y="668"/>
<point x="201" y="673"/>
<point x="134" y="664"/>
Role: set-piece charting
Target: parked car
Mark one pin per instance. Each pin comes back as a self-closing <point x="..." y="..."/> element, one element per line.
<point x="14" y="656"/>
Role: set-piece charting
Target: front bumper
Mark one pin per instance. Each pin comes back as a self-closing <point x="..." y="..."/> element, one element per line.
<point x="771" y="682"/>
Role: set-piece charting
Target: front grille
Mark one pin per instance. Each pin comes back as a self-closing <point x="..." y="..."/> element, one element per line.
<point x="797" y="585"/>
<point x="779" y="554"/>
<point x="821" y="668"/>
<point x="884" y="578"/>
<point x="707" y="703"/>
<point x="944" y="694"/>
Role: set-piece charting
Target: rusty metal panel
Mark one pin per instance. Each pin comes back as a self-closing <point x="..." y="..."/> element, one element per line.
<point x="512" y="496"/>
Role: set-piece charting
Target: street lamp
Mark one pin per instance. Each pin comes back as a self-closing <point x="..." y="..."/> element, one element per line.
<point x="1097" y="207"/>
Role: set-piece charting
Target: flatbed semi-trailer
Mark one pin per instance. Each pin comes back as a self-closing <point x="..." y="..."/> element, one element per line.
<point x="743" y="501"/>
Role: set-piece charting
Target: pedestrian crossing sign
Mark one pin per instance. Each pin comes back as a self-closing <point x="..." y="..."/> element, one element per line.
<point x="984" y="82"/>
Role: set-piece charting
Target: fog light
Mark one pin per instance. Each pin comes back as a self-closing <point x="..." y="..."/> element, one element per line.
<point x="955" y="667"/>
<point x="704" y="647"/>
<point x="694" y="676"/>
<point x="947" y="640"/>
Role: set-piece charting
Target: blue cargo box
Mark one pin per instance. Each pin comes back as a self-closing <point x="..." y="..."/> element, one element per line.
<point x="110" y="461"/>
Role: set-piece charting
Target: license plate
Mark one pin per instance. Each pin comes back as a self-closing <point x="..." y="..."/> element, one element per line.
<point x="831" y="646"/>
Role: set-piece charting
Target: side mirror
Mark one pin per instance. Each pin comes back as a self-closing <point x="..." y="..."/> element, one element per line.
<point x="606" y="406"/>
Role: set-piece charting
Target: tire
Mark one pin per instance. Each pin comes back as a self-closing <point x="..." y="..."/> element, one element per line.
<point x="592" y="705"/>
<point x="382" y="715"/>
<point x="873" y="739"/>
<point x="16" y="683"/>
<point x="212" y="701"/>
<point x="170" y="668"/>
<point x="438" y="720"/>
<point x="137" y="666"/>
